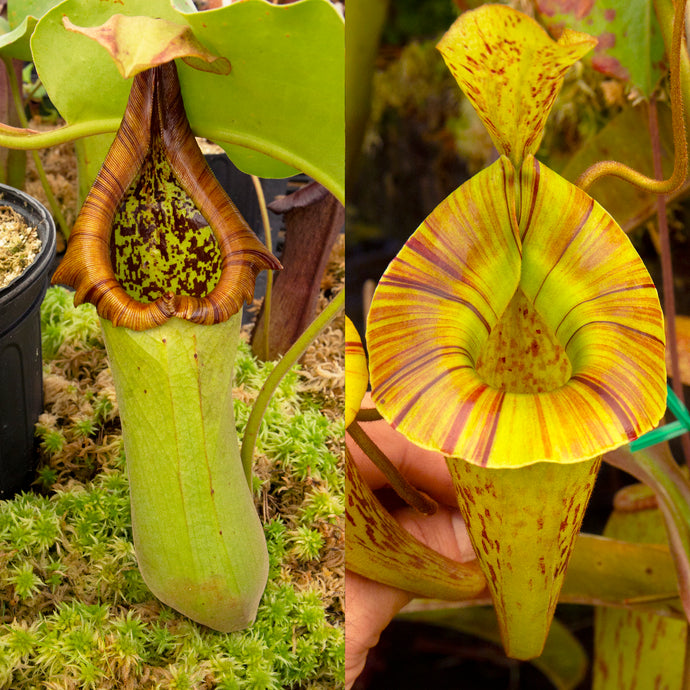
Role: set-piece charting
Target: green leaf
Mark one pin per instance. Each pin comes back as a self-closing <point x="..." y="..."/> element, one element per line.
<point x="280" y="109"/>
<point x="609" y="572"/>
<point x="287" y="87"/>
<point x="630" y="46"/>
<point x="15" y="43"/>
<point x="563" y="661"/>
<point x="21" y="20"/>
<point x="637" y="647"/>
<point x="19" y="10"/>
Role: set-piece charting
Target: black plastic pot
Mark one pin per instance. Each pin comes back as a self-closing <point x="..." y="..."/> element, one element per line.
<point x="21" y="376"/>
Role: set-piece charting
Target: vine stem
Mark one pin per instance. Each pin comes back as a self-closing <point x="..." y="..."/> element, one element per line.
<point x="251" y="431"/>
<point x="368" y="414"/>
<point x="269" y="277"/>
<point x="19" y="106"/>
<point x="413" y="497"/>
<point x="27" y="139"/>
<point x="680" y="165"/>
<point x="667" y="270"/>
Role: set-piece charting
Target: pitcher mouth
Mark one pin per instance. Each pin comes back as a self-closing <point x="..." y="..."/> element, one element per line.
<point x="206" y="288"/>
<point x="450" y="375"/>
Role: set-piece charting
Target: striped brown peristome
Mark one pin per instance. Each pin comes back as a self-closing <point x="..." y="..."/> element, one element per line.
<point x="155" y="118"/>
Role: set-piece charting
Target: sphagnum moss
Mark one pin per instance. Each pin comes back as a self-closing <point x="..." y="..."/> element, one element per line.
<point x="74" y="610"/>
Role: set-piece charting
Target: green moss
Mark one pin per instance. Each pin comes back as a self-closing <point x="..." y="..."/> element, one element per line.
<point x="75" y="611"/>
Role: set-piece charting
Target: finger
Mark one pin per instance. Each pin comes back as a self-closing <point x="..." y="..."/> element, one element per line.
<point x="370" y="605"/>
<point x="444" y="531"/>
<point x="369" y="608"/>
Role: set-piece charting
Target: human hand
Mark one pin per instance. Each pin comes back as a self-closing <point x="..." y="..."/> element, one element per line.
<point x="370" y="605"/>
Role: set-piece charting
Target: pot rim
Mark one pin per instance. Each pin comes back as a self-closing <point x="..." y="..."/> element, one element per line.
<point x="36" y="214"/>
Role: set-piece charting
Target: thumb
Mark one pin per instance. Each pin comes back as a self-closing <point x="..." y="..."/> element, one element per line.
<point x="370" y="605"/>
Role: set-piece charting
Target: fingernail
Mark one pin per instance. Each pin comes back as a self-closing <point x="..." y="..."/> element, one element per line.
<point x="462" y="538"/>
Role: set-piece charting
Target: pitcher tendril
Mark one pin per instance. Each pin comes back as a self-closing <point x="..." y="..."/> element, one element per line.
<point x="680" y="165"/>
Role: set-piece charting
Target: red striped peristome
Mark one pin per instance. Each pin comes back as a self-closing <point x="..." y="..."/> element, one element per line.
<point x="508" y="339"/>
<point x="155" y="109"/>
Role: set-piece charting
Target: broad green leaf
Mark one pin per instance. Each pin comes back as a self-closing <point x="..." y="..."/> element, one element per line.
<point x="377" y="547"/>
<point x="459" y="369"/>
<point x="22" y="16"/>
<point x="633" y="647"/>
<point x="356" y="373"/>
<point x="174" y="390"/>
<point x="511" y="71"/>
<point x="523" y="523"/>
<point x="280" y="108"/>
<point x="563" y="661"/>
<point x="19" y="10"/>
<point x="630" y="46"/>
<point x="287" y="94"/>
<point x="609" y="572"/>
<point x="15" y="43"/>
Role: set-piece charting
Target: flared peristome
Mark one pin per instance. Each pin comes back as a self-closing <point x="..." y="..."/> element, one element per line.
<point x="356" y="372"/>
<point x="114" y="241"/>
<point x="575" y="365"/>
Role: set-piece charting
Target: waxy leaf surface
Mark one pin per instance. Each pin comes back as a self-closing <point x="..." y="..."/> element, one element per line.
<point x="578" y="289"/>
<point x="22" y="16"/>
<point x="280" y="108"/>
